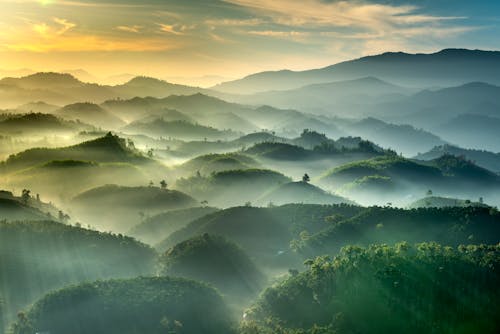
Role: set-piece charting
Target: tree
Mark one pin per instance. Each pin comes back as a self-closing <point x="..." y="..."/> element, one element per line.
<point x="163" y="184"/>
<point x="306" y="178"/>
<point x="429" y="192"/>
<point x="26" y="195"/>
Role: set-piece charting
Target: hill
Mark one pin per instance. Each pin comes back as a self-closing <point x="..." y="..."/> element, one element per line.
<point x="140" y="305"/>
<point x="392" y="179"/>
<point x="472" y="131"/>
<point x="383" y="289"/>
<point x="231" y="187"/>
<point x="145" y="86"/>
<point x="300" y="192"/>
<point x="109" y="148"/>
<point x="449" y="66"/>
<point x="12" y="209"/>
<point x="92" y="114"/>
<point x="450" y="226"/>
<point x="177" y="129"/>
<point x="158" y="227"/>
<point x="214" y="163"/>
<point x="442" y="202"/>
<point x="37" y="124"/>
<point x="485" y="159"/>
<point x="323" y="97"/>
<point x="265" y="233"/>
<point x="56" y="255"/>
<point x="38" y="107"/>
<point x="214" y="260"/>
<point x="402" y="138"/>
<point x="129" y="204"/>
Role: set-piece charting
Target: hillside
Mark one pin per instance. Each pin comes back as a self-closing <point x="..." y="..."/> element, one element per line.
<point x="214" y="260"/>
<point x="158" y="227"/>
<point x="265" y="233"/>
<point x="129" y="204"/>
<point x="450" y="226"/>
<point x="392" y="179"/>
<point x="145" y="86"/>
<point x="443" y="202"/>
<point x="12" y="209"/>
<point x="300" y="192"/>
<point x="56" y="255"/>
<point x="177" y="129"/>
<point x="36" y="124"/>
<point x="92" y="114"/>
<point x="214" y="163"/>
<point x="485" y="159"/>
<point x="140" y="305"/>
<point x="109" y="148"/>
<point x="449" y="66"/>
<point x="231" y="187"/>
<point x="38" y="107"/>
<point x="385" y="289"/>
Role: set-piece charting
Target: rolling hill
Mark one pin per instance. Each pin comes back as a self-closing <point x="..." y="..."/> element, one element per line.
<point x="129" y="205"/>
<point x="92" y="114"/>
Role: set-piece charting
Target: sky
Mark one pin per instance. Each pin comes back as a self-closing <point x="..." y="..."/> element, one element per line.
<point x="193" y="39"/>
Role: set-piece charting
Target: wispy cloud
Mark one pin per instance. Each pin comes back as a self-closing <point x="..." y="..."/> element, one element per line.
<point x="134" y="28"/>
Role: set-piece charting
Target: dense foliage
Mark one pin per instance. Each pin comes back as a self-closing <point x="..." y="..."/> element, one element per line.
<point x="427" y="288"/>
<point x="215" y="260"/>
<point x="54" y="255"/>
<point x="141" y="305"/>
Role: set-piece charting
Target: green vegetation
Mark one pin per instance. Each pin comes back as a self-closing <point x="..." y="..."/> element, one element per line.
<point x="231" y="187"/>
<point x="141" y="305"/>
<point x="449" y="226"/>
<point x="128" y="204"/>
<point x="54" y="255"/>
<point x="158" y="227"/>
<point x="214" y="163"/>
<point x="427" y="288"/>
<point x="215" y="260"/>
<point x="443" y="202"/>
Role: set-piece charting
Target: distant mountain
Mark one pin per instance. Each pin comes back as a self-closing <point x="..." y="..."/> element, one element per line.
<point x="214" y="163"/>
<point x="145" y="86"/>
<point x="472" y="131"/>
<point x="485" y="159"/>
<point x="327" y="97"/>
<point x="446" y="67"/>
<point x="92" y="114"/>
<point x="177" y="129"/>
<point x="38" y="107"/>
<point x="401" y="138"/>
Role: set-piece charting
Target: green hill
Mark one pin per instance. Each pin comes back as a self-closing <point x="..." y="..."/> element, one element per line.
<point x="451" y="226"/>
<point x="13" y="210"/>
<point x="158" y="227"/>
<point x="109" y="148"/>
<point x="231" y="187"/>
<point x="141" y="305"/>
<point x="300" y="192"/>
<point x="442" y="202"/>
<point x="128" y="204"/>
<point x="67" y="178"/>
<point x="54" y="255"/>
<point x="390" y="178"/>
<point x="92" y="114"/>
<point x="38" y="124"/>
<point x="427" y="288"/>
<point x="485" y="159"/>
<point x="214" y="163"/>
<point x="265" y="233"/>
<point x="214" y="260"/>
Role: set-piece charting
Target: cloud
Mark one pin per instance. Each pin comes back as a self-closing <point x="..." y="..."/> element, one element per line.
<point x="66" y="25"/>
<point x="171" y="29"/>
<point x="133" y="29"/>
<point x="236" y="22"/>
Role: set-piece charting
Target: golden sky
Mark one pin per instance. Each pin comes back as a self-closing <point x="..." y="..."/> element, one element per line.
<point x="229" y="38"/>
